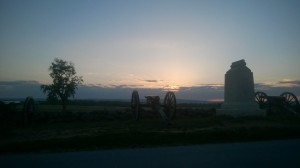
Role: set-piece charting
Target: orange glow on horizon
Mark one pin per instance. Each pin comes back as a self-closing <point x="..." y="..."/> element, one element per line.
<point x="216" y="100"/>
<point x="173" y="88"/>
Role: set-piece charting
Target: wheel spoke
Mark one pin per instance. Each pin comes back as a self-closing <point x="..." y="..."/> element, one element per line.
<point x="170" y="105"/>
<point x="288" y="97"/>
<point x="261" y="98"/>
<point x="291" y="100"/>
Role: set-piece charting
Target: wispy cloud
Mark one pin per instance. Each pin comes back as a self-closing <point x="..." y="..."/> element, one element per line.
<point x="282" y="84"/>
<point x="290" y="83"/>
<point x="151" y="81"/>
<point x="111" y="86"/>
<point x="215" y="85"/>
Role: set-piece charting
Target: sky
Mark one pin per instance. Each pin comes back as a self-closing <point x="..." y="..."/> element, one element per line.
<point x="121" y="45"/>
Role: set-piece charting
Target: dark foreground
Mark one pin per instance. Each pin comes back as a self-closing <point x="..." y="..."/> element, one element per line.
<point x="280" y="153"/>
<point x="147" y="133"/>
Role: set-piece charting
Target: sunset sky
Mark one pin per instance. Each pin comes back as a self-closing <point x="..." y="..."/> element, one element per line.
<point x="172" y="44"/>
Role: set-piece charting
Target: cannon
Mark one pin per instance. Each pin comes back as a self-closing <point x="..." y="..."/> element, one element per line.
<point x="167" y="110"/>
<point x="10" y="109"/>
<point x="286" y="100"/>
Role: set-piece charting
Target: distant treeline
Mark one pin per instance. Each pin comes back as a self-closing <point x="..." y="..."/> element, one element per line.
<point x="123" y="103"/>
<point x="201" y="104"/>
<point x="118" y="103"/>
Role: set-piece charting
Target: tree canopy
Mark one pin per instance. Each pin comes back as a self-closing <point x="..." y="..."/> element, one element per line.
<point x="65" y="81"/>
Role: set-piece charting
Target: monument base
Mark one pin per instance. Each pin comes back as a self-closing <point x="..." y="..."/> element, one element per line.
<point x="241" y="110"/>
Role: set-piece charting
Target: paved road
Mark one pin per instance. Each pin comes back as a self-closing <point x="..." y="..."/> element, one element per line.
<point x="284" y="153"/>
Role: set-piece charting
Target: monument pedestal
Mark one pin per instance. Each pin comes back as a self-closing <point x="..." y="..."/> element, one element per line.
<point x="239" y="92"/>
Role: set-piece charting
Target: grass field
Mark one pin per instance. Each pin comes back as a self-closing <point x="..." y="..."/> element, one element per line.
<point x="111" y="127"/>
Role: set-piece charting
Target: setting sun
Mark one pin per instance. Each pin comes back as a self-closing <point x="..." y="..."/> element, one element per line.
<point x="150" y="45"/>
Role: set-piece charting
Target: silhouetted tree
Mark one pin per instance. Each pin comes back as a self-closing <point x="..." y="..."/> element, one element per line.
<point x="65" y="82"/>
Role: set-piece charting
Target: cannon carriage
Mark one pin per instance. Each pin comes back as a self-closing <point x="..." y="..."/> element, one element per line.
<point x="10" y="110"/>
<point x="287" y="101"/>
<point x="167" y="110"/>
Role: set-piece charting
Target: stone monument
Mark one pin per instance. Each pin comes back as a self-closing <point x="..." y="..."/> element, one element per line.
<point x="239" y="92"/>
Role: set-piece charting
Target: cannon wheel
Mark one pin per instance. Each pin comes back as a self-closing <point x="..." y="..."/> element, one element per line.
<point x="291" y="101"/>
<point x="28" y="109"/>
<point x="261" y="99"/>
<point x="170" y="105"/>
<point x="135" y="105"/>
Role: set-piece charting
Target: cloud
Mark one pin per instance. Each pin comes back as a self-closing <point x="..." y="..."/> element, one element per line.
<point x="18" y="83"/>
<point x="125" y="91"/>
<point x="152" y="81"/>
<point x="205" y="92"/>
<point x="5" y="87"/>
<point x="277" y="88"/>
<point x="289" y="82"/>
<point x="212" y="85"/>
<point x="112" y="86"/>
<point x="20" y="89"/>
<point x="283" y="83"/>
<point x="211" y="92"/>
